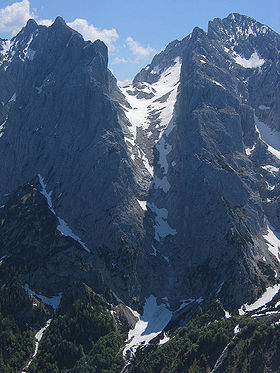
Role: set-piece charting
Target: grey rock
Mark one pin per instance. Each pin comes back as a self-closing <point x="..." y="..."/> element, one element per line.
<point x="68" y="121"/>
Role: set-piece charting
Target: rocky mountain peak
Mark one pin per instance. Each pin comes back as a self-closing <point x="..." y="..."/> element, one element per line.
<point x="59" y="22"/>
<point x="31" y="25"/>
<point x="237" y="27"/>
<point x="132" y="173"/>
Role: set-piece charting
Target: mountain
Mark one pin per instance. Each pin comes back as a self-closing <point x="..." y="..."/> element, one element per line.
<point x="162" y="195"/>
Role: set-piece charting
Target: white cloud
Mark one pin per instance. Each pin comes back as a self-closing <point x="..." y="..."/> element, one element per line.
<point x="14" y="17"/>
<point x="124" y="83"/>
<point x="118" y="60"/>
<point x="138" y="50"/>
<point x="45" y="22"/>
<point x="90" y="32"/>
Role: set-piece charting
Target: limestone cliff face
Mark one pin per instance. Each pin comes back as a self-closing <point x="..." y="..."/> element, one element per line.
<point x="205" y="205"/>
<point x="167" y="181"/>
<point x="60" y="122"/>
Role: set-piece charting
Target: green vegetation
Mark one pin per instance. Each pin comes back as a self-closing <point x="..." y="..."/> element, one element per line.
<point x="104" y="356"/>
<point x="196" y="347"/>
<point x="82" y="337"/>
<point x="256" y="348"/>
<point x="17" y="338"/>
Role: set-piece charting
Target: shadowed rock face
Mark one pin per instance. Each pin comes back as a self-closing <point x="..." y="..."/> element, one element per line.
<point x="166" y="181"/>
<point x="63" y="125"/>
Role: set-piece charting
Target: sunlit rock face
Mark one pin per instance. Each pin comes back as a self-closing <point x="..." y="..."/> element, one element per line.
<point x="170" y="182"/>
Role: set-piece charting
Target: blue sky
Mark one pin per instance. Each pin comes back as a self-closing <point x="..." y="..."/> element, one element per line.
<point x="134" y="30"/>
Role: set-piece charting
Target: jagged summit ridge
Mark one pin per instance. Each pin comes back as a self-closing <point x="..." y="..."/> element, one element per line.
<point x="224" y="63"/>
<point x="168" y="173"/>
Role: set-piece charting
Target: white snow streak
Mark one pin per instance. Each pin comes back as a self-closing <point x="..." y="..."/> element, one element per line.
<point x="249" y="151"/>
<point x="269" y="136"/>
<point x="38" y="337"/>
<point x="148" y="114"/>
<point x="217" y="83"/>
<point x="143" y="204"/>
<point x="62" y="227"/>
<point x="227" y="315"/>
<point x="6" y="46"/>
<point x="2" y="258"/>
<point x="265" y="314"/>
<point x="141" y="110"/>
<point x="266" y="297"/>
<point x="162" y="228"/>
<point x="154" y="253"/>
<point x="50" y="301"/>
<point x="13" y="98"/>
<point x="39" y="89"/>
<point x="164" y="340"/>
<point x="236" y="329"/>
<point x="270" y="168"/>
<point x="273" y="239"/>
<point x="185" y="303"/>
<point x="263" y="107"/>
<point x="163" y="183"/>
<point x="2" y="127"/>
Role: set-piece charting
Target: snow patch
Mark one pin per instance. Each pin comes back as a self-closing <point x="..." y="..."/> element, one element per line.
<point x="227" y="314"/>
<point x="236" y="329"/>
<point x="30" y="53"/>
<point x="154" y="253"/>
<point x="38" y="337"/>
<point x="2" y="258"/>
<point x="266" y="297"/>
<point x="185" y="303"/>
<point x="269" y="136"/>
<point x="156" y="70"/>
<point x="253" y="62"/>
<point x="263" y="107"/>
<point x="270" y="168"/>
<point x="142" y="111"/>
<point x="220" y="287"/>
<point x="62" y="226"/>
<point x="162" y="228"/>
<point x="5" y="47"/>
<point x="164" y="149"/>
<point x="154" y="319"/>
<point x="39" y="334"/>
<point x="249" y="151"/>
<point x="50" y="301"/>
<point x="163" y="183"/>
<point x="265" y="314"/>
<point x="143" y="204"/>
<point x="217" y="83"/>
<point x="67" y="231"/>
<point x="39" y="89"/>
<point x="2" y="127"/>
<point x="164" y="340"/>
<point x="13" y="98"/>
<point x="273" y="239"/>
<point x="117" y="298"/>
<point x="166" y="258"/>
<point x="46" y="194"/>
